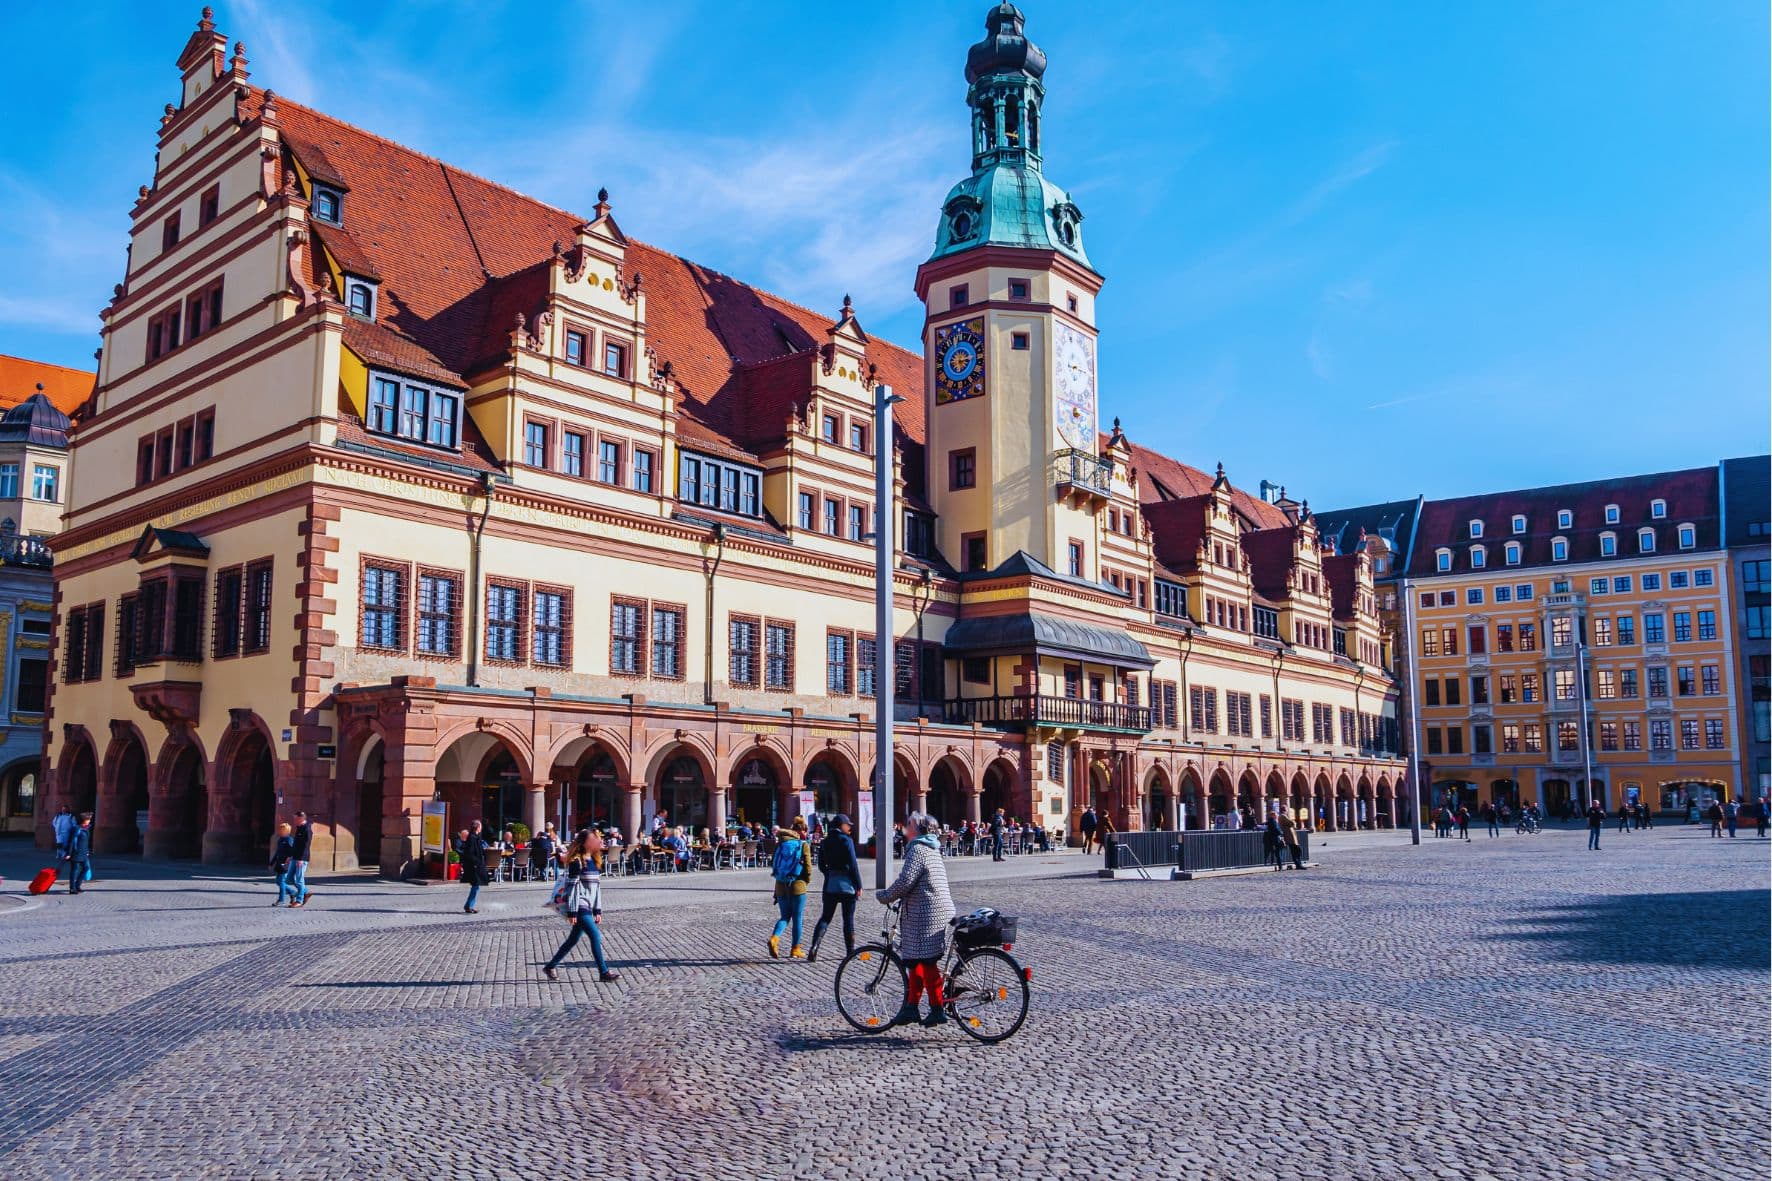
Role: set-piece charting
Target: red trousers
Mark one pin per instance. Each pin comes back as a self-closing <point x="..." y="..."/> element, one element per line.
<point x="923" y="975"/>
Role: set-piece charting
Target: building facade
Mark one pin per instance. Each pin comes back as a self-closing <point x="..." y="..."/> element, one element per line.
<point x="1521" y="612"/>
<point x="1747" y="532"/>
<point x="33" y="471"/>
<point x="400" y="486"/>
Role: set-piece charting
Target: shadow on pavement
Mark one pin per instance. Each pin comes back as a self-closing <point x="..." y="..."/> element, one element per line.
<point x="1715" y="928"/>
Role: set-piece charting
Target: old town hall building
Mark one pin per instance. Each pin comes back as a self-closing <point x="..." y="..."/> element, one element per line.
<point x="398" y="486"/>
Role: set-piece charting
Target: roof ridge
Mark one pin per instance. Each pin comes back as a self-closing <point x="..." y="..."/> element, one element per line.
<point x="48" y="364"/>
<point x="1547" y="489"/>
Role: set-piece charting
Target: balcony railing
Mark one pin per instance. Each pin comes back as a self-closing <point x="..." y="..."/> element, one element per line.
<point x="18" y="550"/>
<point x="1011" y="712"/>
<point x="1079" y="470"/>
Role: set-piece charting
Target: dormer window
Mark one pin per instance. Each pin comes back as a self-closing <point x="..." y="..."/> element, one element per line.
<point x="721" y="484"/>
<point x="1479" y="557"/>
<point x="404" y="409"/>
<point x="1559" y="549"/>
<point x="1611" y="514"/>
<point x="1443" y="560"/>
<point x="1565" y="519"/>
<point x="360" y="297"/>
<point x="1645" y="541"/>
<point x="1519" y="523"/>
<point x="1476" y="528"/>
<point x="1513" y="553"/>
<point x="329" y="205"/>
<point x="1688" y="537"/>
<point x="1608" y="545"/>
<point x="1658" y="508"/>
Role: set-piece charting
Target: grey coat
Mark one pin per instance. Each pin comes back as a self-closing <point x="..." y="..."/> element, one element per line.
<point x="928" y="907"/>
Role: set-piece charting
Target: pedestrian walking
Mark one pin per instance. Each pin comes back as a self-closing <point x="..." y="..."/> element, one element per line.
<point x="1763" y="817"/>
<point x="1087" y="826"/>
<point x="281" y="857"/>
<point x="1273" y="844"/>
<point x="298" y="861"/>
<point x="1645" y="815"/>
<point x="78" y="853"/>
<point x="1731" y="814"/>
<point x="62" y="825"/>
<point x="1624" y="818"/>
<point x="842" y="884"/>
<point x="1596" y="818"/>
<point x="1289" y="834"/>
<point x="997" y="835"/>
<point x="471" y="848"/>
<point x="1715" y="815"/>
<point x="1464" y="823"/>
<point x="922" y="885"/>
<point x="791" y="867"/>
<point x="1104" y="832"/>
<point x="1492" y="818"/>
<point x="583" y="904"/>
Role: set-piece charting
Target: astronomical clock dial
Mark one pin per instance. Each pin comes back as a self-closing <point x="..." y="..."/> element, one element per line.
<point x="1074" y="392"/>
<point x="959" y="361"/>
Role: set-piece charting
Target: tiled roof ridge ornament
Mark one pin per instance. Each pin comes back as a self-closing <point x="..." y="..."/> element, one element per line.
<point x="602" y="207"/>
<point x="239" y="62"/>
<point x="1220" y="482"/>
<point x="1118" y="437"/>
<point x="167" y="115"/>
<point x="206" y="23"/>
<point x="327" y="294"/>
<point x="268" y="110"/>
<point x="630" y="292"/>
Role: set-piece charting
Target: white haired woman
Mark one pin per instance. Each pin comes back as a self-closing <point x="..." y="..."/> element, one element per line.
<point x="922" y="885"/>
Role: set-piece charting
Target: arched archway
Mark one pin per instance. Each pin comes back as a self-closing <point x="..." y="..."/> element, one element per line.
<point x="759" y="779"/>
<point x="1159" y="802"/>
<point x="1001" y="778"/>
<point x="948" y="784"/>
<point x="1194" y="792"/>
<point x="123" y="796"/>
<point x="598" y="783"/>
<point x="1249" y="793"/>
<point x="481" y="777"/>
<point x="19" y="795"/>
<point x="243" y="805"/>
<point x="1317" y="815"/>
<point x="178" y="812"/>
<point x="79" y="777"/>
<point x="830" y="777"/>
<point x="1221" y="803"/>
<point x="680" y="789"/>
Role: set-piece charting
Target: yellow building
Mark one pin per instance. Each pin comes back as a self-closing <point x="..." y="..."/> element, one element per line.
<point x="399" y="486"/>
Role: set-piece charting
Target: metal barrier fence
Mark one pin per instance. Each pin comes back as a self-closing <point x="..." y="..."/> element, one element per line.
<point x="1198" y="851"/>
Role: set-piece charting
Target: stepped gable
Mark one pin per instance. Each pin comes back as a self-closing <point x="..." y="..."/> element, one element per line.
<point x="65" y="388"/>
<point x="1177" y="528"/>
<point x="460" y="256"/>
<point x="1270" y="554"/>
<point x="1341" y="572"/>
<point x="1691" y="495"/>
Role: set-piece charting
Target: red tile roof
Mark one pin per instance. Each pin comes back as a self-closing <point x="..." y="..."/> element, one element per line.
<point x="1270" y="559"/>
<point x="1162" y="478"/>
<point x="65" y="388"/>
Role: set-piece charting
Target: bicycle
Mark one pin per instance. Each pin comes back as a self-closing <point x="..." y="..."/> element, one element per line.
<point x="986" y="989"/>
<point x="1528" y="824"/>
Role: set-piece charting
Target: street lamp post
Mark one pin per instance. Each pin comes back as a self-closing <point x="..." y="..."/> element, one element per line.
<point x="1414" y="771"/>
<point x="885" y="647"/>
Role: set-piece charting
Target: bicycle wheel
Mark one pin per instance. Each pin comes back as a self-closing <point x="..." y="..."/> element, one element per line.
<point x="988" y="994"/>
<point x="870" y="987"/>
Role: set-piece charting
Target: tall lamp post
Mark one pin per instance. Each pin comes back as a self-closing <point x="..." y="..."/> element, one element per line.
<point x="885" y="646"/>
<point x="1414" y="772"/>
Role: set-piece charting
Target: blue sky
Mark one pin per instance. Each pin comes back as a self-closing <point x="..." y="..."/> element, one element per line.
<point x="1363" y="249"/>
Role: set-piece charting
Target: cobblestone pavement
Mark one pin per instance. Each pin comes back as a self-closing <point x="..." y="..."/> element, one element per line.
<point x="1515" y="1007"/>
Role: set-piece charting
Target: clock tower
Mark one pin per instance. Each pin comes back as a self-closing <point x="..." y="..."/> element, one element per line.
<point x="1009" y="334"/>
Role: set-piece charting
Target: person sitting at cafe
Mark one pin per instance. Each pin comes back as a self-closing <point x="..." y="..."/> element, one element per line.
<point x="673" y="840"/>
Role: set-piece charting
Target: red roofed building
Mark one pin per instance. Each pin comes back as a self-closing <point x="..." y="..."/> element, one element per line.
<point x="398" y="485"/>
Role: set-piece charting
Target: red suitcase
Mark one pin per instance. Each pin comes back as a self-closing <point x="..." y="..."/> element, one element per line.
<point x="41" y="883"/>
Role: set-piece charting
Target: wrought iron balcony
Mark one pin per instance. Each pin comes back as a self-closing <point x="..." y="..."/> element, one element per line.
<point x="1018" y="712"/>
<point x="1081" y="472"/>
<point x="19" y="550"/>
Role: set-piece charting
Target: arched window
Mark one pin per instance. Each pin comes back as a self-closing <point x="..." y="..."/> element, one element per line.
<point x="1658" y="508"/>
<point x="1519" y="523"/>
<point x="1608" y="544"/>
<point x="1688" y="536"/>
<point x="1476" y="528"/>
<point x="362" y="300"/>
<point x="1645" y="540"/>
<point x="1479" y="557"/>
<point x="1513" y="553"/>
<point x="1611" y="514"/>
<point x="1443" y="560"/>
<point x="1559" y="549"/>
<point x="1565" y="519"/>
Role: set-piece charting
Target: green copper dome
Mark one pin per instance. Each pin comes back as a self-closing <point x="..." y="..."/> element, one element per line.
<point x="1007" y="201"/>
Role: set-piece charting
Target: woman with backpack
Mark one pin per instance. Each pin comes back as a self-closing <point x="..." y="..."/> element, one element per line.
<point x="842" y="883"/>
<point x="583" y="903"/>
<point x="791" y="867"/>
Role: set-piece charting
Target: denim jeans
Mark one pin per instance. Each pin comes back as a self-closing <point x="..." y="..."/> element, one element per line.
<point x="791" y="907"/>
<point x="77" y="875"/>
<point x="298" y="880"/>
<point x="473" y="896"/>
<point x="584" y="924"/>
<point x="1593" y="838"/>
<point x="284" y="889"/>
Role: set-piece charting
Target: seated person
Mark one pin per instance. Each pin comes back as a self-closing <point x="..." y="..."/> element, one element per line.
<point x="673" y="840"/>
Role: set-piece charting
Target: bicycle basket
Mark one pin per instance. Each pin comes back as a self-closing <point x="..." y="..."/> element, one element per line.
<point x="984" y="928"/>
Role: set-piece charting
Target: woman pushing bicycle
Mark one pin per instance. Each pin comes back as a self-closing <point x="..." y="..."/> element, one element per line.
<point x="922" y="885"/>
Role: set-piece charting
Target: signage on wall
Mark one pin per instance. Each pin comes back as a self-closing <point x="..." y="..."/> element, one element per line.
<point x="328" y="752"/>
<point x="864" y="818"/>
<point x="434" y="827"/>
<point x="288" y="735"/>
<point x="807" y="804"/>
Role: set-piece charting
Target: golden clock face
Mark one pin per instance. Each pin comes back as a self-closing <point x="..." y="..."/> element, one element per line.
<point x="959" y="361"/>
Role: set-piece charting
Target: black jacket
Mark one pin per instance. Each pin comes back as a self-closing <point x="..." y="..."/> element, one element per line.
<point x="837" y="860"/>
<point x="79" y="844"/>
<point x="304" y="840"/>
<point x="282" y="854"/>
<point x="473" y="859"/>
<point x="996" y="825"/>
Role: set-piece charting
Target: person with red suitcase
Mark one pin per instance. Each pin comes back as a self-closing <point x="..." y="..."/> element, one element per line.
<point x="78" y="854"/>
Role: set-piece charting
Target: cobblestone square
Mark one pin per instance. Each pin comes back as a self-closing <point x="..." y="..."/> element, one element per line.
<point x="1512" y="1007"/>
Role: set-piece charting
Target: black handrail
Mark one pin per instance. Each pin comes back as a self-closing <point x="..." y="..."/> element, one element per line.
<point x="1041" y="710"/>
